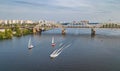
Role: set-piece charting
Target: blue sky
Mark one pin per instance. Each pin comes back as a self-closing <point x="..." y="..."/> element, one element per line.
<point x="61" y="10"/>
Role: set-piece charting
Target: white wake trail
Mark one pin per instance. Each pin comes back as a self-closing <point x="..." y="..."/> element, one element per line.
<point x="58" y="51"/>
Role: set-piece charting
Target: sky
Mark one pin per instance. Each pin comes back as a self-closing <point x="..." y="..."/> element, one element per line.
<point x="61" y="10"/>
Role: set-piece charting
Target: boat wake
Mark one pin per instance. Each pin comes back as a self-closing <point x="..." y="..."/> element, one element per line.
<point x="58" y="51"/>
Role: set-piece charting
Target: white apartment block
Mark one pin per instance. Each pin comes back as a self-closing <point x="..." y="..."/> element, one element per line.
<point x="29" y="22"/>
<point x="26" y="21"/>
<point x="1" y="21"/>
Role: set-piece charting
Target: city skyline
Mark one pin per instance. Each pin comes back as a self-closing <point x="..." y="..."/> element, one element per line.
<point x="59" y="10"/>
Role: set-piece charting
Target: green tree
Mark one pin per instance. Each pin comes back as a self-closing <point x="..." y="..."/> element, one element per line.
<point x="2" y="35"/>
<point x="106" y="26"/>
<point x="116" y="25"/>
<point x="18" y="32"/>
<point x="8" y="33"/>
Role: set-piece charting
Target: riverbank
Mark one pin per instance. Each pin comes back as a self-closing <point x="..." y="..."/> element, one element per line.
<point x="8" y="33"/>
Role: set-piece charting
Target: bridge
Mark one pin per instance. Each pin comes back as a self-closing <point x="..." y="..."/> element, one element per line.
<point x="43" y="26"/>
<point x="47" y="26"/>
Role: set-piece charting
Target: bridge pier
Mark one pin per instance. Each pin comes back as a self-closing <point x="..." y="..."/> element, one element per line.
<point x="40" y="31"/>
<point x="34" y="31"/>
<point x="63" y="31"/>
<point x="93" y="32"/>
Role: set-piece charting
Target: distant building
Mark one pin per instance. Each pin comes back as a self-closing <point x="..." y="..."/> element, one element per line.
<point x="84" y="22"/>
<point x="29" y="21"/>
<point x="26" y="21"/>
<point x="5" y="22"/>
<point x="20" y="21"/>
<point x="14" y="21"/>
<point x="1" y="21"/>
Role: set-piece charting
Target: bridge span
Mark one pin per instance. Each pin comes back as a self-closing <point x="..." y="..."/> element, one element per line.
<point x="40" y="27"/>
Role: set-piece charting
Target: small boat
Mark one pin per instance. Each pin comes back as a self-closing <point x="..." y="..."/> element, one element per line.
<point x="30" y="46"/>
<point x="58" y="51"/>
<point x="55" y="53"/>
<point x="53" y="43"/>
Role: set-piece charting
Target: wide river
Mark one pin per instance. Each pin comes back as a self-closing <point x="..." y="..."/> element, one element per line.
<point x="81" y="51"/>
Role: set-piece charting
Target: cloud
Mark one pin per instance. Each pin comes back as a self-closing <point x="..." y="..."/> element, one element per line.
<point x="61" y="9"/>
<point x="58" y="4"/>
<point x="29" y="3"/>
<point x="70" y="3"/>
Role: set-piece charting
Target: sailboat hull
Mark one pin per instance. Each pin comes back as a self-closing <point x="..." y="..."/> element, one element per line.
<point x="30" y="47"/>
<point x="53" y="44"/>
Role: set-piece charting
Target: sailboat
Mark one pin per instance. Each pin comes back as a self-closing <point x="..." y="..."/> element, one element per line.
<point x="30" y="46"/>
<point x="53" y="42"/>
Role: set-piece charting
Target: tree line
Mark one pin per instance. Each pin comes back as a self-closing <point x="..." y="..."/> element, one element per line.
<point x="110" y="26"/>
<point x="14" y="31"/>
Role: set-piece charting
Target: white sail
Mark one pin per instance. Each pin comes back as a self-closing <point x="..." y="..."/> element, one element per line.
<point x="29" y="44"/>
<point x="52" y="40"/>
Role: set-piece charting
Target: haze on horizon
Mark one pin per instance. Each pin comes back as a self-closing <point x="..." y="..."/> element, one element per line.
<point x="61" y="10"/>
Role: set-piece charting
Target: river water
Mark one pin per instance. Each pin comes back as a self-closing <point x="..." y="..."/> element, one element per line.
<point x="85" y="53"/>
